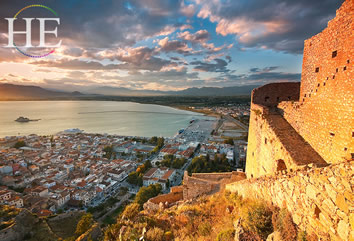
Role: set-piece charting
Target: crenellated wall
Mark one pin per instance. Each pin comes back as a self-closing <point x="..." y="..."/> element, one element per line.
<point x="320" y="200"/>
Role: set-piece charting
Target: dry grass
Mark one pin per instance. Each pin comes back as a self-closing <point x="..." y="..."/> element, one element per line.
<point x="208" y="219"/>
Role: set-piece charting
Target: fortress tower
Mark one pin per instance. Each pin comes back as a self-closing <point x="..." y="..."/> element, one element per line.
<point x="295" y="124"/>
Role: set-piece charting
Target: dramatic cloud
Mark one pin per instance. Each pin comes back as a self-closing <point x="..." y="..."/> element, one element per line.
<point x="165" y="44"/>
<point x="74" y="64"/>
<point x="174" y="46"/>
<point x="275" y="24"/>
<point x="200" y="36"/>
<point x="218" y="66"/>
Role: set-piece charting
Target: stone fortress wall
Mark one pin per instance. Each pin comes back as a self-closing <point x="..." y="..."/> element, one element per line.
<point x="301" y="138"/>
<point x="319" y="199"/>
<point x="207" y="183"/>
<point x="194" y="186"/>
<point x="292" y="125"/>
<point x="327" y="85"/>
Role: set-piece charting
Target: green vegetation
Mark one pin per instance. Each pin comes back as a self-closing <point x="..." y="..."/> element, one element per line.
<point x="173" y="162"/>
<point x="84" y="224"/>
<point x="145" y="193"/>
<point x="226" y="235"/>
<point x="210" y="218"/>
<point x="203" y="164"/>
<point x="159" y="142"/>
<point x="136" y="177"/>
<point x="19" y="144"/>
<point x="257" y="218"/>
<point x="108" y="152"/>
<point x="131" y="211"/>
<point x="282" y="222"/>
<point x="111" y="219"/>
<point x="101" y="209"/>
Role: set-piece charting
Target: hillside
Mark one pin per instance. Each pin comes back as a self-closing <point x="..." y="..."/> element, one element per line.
<point x="20" y="224"/>
<point x="22" y="92"/>
<point x="221" y="217"/>
<point x="204" y="91"/>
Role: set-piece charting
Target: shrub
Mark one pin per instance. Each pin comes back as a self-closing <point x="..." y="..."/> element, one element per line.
<point x="84" y="224"/>
<point x="204" y="229"/>
<point x="168" y="236"/>
<point x="283" y="222"/>
<point x="257" y="218"/>
<point x="226" y="235"/>
<point x="131" y="211"/>
<point x="155" y="234"/>
<point x="301" y="236"/>
<point x="19" y="144"/>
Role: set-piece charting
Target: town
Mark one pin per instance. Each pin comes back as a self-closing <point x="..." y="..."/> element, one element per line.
<point x="73" y="170"/>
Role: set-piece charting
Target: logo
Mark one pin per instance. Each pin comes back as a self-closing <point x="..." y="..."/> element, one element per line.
<point x="28" y="32"/>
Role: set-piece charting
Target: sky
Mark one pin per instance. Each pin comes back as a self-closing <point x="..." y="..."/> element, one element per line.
<point x="162" y="44"/>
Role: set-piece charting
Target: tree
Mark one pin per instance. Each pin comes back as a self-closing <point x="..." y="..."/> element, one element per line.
<point x="204" y="164"/>
<point x="145" y="193"/>
<point x="19" y="144"/>
<point x="108" y="152"/>
<point x="84" y="224"/>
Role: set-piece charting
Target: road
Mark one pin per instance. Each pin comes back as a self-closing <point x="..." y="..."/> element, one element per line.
<point x="243" y="126"/>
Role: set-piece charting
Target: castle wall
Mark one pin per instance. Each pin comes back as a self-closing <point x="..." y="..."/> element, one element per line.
<point x="324" y="114"/>
<point x="264" y="148"/>
<point x="207" y="183"/>
<point x="272" y="94"/>
<point x="320" y="199"/>
<point x="273" y="144"/>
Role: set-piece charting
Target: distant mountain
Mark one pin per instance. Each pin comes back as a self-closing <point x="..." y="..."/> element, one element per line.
<point x="204" y="91"/>
<point x="120" y="91"/>
<point x="215" y="91"/>
<point x="23" y="92"/>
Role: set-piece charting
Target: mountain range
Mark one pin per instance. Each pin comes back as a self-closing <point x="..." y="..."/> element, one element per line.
<point x="23" y="92"/>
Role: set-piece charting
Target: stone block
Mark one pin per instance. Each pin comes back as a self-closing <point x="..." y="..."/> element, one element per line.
<point x="343" y="230"/>
<point x="342" y="203"/>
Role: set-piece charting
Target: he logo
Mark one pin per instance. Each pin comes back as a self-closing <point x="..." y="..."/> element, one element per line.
<point x="28" y="32"/>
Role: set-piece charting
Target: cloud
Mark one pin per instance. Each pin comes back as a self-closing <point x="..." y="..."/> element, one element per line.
<point x="255" y="76"/>
<point x="75" y="64"/>
<point x="177" y="46"/>
<point x="281" y="25"/>
<point x="187" y="10"/>
<point x="218" y="66"/>
<point x="106" y="24"/>
<point x="200" y="36"/>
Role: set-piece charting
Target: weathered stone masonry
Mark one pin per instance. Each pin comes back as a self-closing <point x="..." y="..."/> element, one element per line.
<point x="292" y="125"/>
<point x="320" y="199"/>
<point x="324" y="113"/>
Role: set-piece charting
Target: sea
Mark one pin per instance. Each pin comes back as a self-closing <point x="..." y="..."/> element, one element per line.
<point x="103" y="117"/>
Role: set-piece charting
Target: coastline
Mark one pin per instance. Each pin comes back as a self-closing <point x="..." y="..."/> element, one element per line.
<point x="204" y="112"/>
